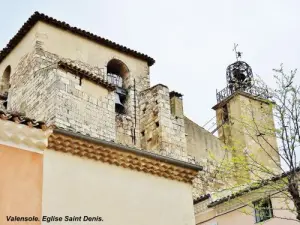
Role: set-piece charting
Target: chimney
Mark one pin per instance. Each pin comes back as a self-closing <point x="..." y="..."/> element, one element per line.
<point x="176" y="104"/>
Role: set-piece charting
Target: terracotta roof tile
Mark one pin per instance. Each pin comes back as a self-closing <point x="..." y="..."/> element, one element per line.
<point x="20" y="119"/>
<point x="251" y="188"/>
<point x="201" y="198"/>
<point x="62" y="25"/>
<point x="120" y="155"/>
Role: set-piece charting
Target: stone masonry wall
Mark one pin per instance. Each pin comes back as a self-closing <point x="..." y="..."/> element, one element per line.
<point x="150" y="124"/>
<point x="42" y="91"/>
<point x="128" y="125"/>
<point x="95" y="58"/>
<point x="160" y="130"/>
<point x="81" y="112"/>
<point x="33" y="88"/>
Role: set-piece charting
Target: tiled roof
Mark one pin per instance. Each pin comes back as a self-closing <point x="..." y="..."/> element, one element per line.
<point x="201" y="198"/>
<point x="62" y="25"/>
<point x="251" y="188"/>
<point x="20" y="119"/>
<point x="119" y="155"/>
<point x="84" y="73"/>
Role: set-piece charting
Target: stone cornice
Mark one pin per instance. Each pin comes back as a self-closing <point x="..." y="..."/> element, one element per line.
<point x="86" y="147"/>
<point x="257" y="98"/>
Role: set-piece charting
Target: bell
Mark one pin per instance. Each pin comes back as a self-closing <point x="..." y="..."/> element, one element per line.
<point x="118" y="104"/>
<point x="118" y="101"/>
<point x="239" y="75"/>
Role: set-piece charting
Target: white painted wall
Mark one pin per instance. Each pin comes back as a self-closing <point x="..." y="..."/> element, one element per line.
<point x="75" y="186"/>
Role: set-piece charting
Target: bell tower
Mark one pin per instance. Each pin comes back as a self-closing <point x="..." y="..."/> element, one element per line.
<point x="245" y="120"/>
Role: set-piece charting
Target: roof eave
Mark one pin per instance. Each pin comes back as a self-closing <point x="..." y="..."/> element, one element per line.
<point x="133" y="150"/>
<point x="33" y="19"/>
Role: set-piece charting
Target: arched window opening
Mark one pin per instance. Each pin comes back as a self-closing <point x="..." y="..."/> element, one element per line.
<point x="5" y="80"/>
<point x="117" y="73"/>
<point x="5" y="85"/>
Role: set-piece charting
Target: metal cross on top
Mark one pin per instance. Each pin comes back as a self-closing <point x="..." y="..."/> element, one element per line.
<point x="237" y="53"/>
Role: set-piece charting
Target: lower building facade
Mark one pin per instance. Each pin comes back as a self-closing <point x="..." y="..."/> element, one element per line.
<point x="58" y="177"/>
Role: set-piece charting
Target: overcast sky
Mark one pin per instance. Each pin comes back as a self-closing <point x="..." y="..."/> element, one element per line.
<point x="191" y="41"/>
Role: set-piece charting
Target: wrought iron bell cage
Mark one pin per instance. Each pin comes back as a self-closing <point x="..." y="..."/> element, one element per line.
<point x="239" y="76"/>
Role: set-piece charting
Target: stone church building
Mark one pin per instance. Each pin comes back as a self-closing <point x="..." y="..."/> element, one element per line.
<point x="83" y="134"/>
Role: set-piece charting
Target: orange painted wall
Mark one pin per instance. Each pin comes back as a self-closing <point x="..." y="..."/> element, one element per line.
<point x="20" y="184"/>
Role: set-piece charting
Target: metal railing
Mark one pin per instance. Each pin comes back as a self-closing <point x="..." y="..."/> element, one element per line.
<point x="114" y="79"/>
<point x="253" y="90"/>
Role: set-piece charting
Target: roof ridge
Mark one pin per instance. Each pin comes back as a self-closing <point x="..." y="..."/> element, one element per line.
<point x="37" y="16"/>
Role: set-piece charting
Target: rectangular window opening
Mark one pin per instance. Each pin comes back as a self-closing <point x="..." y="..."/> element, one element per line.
<point x="263" y="210"/>
<point x="225" y="113"/>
